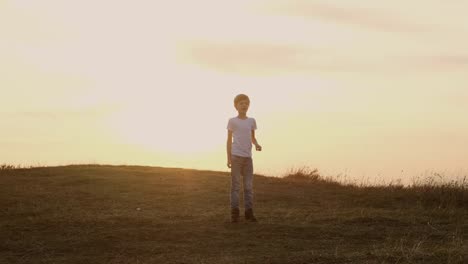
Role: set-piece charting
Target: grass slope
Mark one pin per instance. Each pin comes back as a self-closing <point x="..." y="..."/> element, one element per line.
<point x="132" y="214"/>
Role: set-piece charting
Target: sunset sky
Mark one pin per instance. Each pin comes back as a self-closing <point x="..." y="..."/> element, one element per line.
<point x="372" y="89"/>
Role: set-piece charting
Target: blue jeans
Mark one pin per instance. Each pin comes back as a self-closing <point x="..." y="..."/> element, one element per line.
<point x="241" y="166"/>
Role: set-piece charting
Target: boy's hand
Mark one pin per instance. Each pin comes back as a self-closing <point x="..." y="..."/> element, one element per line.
<point x="258" y="147"/>
<point x="229" y="164"/>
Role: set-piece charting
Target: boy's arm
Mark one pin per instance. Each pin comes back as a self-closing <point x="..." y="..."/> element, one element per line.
<point x="228" y="148"/>
<point x="254" y="141"/>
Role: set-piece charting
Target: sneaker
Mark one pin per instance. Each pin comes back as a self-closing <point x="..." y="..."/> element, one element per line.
<point x="235" y="215"/>
<point x="249" y="216"/>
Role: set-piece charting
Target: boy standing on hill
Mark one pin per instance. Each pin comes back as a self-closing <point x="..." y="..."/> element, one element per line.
<point x="239" y="156"/>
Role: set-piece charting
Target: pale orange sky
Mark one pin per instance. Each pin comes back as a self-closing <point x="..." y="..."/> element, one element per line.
<point x="366" y="88"/>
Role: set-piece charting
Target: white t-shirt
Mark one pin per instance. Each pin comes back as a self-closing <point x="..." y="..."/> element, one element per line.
<point x="242" y="135"/>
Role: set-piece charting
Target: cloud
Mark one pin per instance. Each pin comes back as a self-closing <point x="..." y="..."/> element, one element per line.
<point x="245" y="58"/>
<point x="430" y="63"/>
<point x="270" y="59"/>
<point x="450" y="61"/>
<point x="59" y="114"/>
<point x="370" y="18"/>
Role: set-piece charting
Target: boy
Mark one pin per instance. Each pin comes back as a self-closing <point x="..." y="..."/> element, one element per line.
<point x="239" y="157"/>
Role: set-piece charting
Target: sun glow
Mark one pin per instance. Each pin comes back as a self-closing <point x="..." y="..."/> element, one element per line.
<point x="165" y="128"/>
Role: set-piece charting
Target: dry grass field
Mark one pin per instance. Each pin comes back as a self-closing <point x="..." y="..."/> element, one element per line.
<point x="134" y="214"/>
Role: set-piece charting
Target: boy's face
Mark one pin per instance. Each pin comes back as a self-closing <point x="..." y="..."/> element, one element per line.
<point x="243" y="106"/>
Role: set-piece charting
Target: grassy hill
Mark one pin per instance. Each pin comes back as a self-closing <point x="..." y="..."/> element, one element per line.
<point x="133" y="214"/>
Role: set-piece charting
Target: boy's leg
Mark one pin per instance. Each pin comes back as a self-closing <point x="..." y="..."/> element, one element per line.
<point x="236" y="164"/>
<point x="247" y="172"/>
